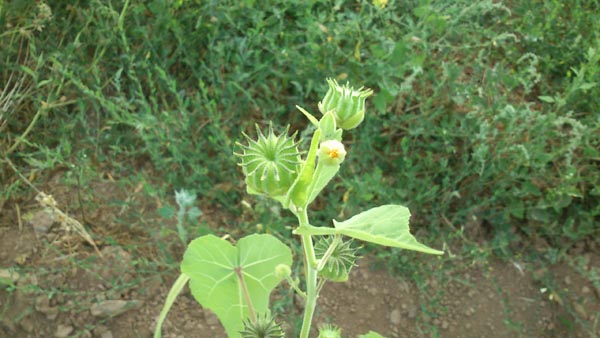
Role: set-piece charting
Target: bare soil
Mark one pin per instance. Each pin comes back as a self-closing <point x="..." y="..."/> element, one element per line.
<point x="65" y="289"/>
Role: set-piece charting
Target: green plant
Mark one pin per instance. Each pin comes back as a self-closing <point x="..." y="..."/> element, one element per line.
<point x="235" y="281"/>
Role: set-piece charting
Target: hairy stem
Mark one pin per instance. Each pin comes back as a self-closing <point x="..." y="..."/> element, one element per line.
<point x="310" y="271"/>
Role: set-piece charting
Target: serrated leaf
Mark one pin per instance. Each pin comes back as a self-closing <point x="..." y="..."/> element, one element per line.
<point x="214" y="267"/>
<point x="385" y="225"/>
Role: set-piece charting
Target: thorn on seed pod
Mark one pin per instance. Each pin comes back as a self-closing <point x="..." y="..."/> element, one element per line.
<point x="346" y="103"/>
<point x="342" y="259"/>
<point x="263" y="327"/>
<point x="270" y="163"/>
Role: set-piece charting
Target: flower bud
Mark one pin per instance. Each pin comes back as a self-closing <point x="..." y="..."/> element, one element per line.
<point x="270" y="163"/>
<point x="347" y="104"/>
<point x="331" y="152"/>
<point x="283" y="271"/>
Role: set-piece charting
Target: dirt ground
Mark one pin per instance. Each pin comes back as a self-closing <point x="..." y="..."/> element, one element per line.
<point x="65" y="289"/>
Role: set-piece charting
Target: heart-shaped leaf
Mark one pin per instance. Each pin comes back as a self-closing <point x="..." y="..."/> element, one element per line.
<point x="220" y="273"/>
<point x="385" y="225"/>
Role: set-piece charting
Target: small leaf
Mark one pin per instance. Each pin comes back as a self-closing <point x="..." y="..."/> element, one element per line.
<point x="547" y="99"/>
<point x="166" y="212"/>
<point x="586" y="86"/>
<point x="193" y="213"/>
<point x="371" y="334"/>
<point x="323" y="174"/>
<point x="327" y="126"/>
<point x="214" y="267"/>
<point x="298" y="193"/>
<point x="309" y="116"/>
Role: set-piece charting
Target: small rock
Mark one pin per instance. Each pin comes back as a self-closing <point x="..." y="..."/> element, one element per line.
<point x="412" y="312"/>
<point x="106" y="334"/>
<point x="99" y="330"/>
<point x="580" y="310"/>
<point x="111" y="308"/>
<point x="568" y="280"/>
<point x="395" y="317"/>
<point x="585" y="290"/>
<point x="153" y="286"/>
<point x="51" y="313"/>
<point x="42" y="304"/>
<point x="445" y="325"/>
<point x="27" y="324"/>
<point x="42" y="221"/>
<point x="63" y="331"/>
<point x="211" y="318"/>
<point x="9" y="276"/>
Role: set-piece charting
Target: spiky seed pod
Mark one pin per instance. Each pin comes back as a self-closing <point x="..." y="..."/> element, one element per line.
<point x="270" y="163"/>
<point x="346" y="103"/>
<point x="263" y="327"/>
<point x="341" y="261"/>
<point x="329" y="331"/>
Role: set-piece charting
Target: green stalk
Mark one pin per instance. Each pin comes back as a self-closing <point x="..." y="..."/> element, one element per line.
<point x="310" y="262"/>
<point x="173" y="293"/>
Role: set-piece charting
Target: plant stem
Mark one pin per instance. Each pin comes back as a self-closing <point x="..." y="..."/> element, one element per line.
<point x="240" y="276"/>
<point x="310" y="262"/>
<point x="173" y="293"/>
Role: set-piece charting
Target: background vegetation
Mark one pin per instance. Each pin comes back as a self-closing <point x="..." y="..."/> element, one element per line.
<point x="486" y="119"/>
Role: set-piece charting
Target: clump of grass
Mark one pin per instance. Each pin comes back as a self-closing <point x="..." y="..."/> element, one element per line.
<point x="487" y="108"/>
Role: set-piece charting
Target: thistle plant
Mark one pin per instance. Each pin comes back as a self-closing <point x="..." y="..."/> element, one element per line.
<point x="235" y="281"/>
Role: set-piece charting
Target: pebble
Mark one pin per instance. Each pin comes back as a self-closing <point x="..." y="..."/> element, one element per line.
<point x="9" y="275"/>
<point x="42" y="221"/>
<point x="412" y="312"/>
<point x="63" y="331"/>
<point x="211" y="318"/>
<point x="395" y="317"/>
<point x="111" y="308"/>
<point x="106" y="334"/>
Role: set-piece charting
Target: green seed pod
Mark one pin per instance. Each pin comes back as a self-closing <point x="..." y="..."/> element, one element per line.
<point x="330" y="331"/>
<point x="283" y="271"/>
<point x="270" y="163"/>
<point x="263" y="327"/>
<point x="347" y="104"/>
<point x="341" y="261"/>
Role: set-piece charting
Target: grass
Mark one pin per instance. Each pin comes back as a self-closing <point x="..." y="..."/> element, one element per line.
<point x="485" y="120"/>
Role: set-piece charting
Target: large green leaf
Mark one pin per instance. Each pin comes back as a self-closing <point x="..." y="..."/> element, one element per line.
<point x="385" y="225"/>
<point x="215" y="266"/>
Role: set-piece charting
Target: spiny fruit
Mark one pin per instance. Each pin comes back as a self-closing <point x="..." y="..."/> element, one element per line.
<point x="270" y="163"/>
